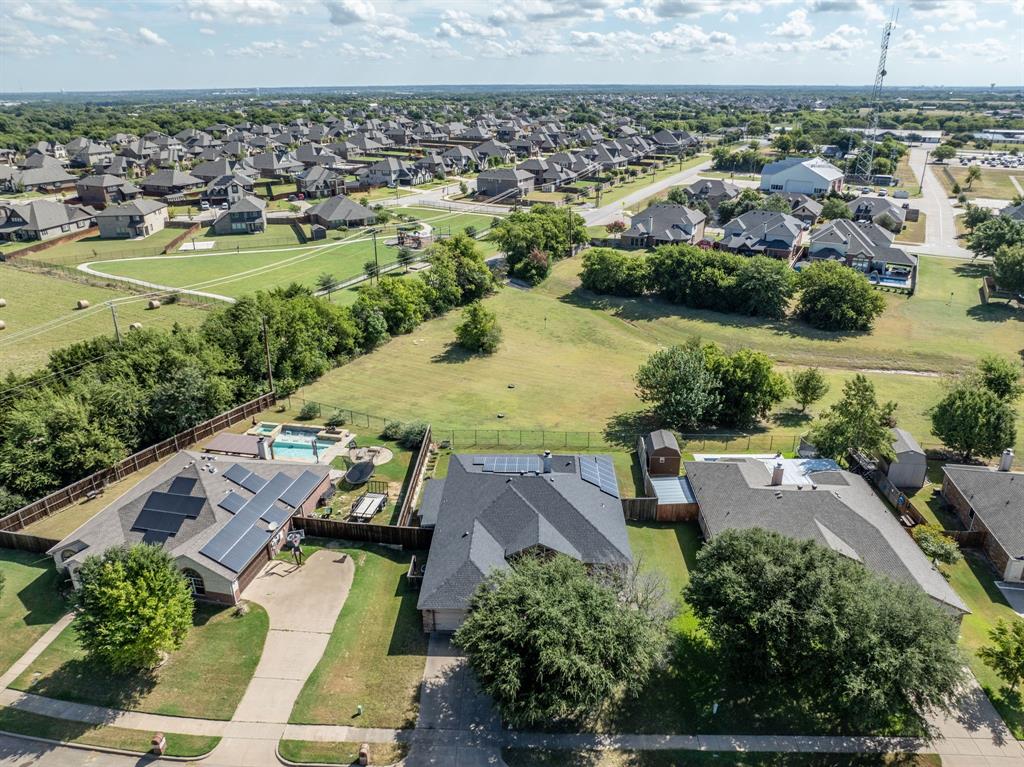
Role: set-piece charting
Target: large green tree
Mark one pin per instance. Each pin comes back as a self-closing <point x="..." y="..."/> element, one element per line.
<point x="835" y="207"/>
<point x="858" y="421"/>
<point x="479" y="330"/>
<point x="837" y="636"/>
<point x="748" y="385"/>
<point x="133" y="606"/>
<point x="1008" y="267"/>
<point x="1002" y="376"/>
<point x="552" y="642"/>
<point x="835" y="297"/>
<point x="679" y="387"/>
<point x="974" y="421"/>
<point x="988" y="237"/>
<point x="809" y="386"/>
<point x="1005" y="655"/>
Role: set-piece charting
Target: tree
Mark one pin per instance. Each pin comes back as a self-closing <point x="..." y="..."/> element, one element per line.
<point x="614" y="272"/>
<point x="809" y="386"/>
<point x="936" y="544"/>
<point x="794" y="615"/>
<point x="748" y="385"/>
<point x="764" y="287"/>
<point x="975" y="215"/>
<point x="615" y="227"/>
<point x="133" y="606"/>
<point x="525" y="640"/>
<point x="944" y="152"/>
<point x="188" y="396"/>
<point x="1008" y="268"/>
<point x="835" y="207"/>
<point x="534" y="268"/>
<point x="678" y="386"/>
<point x="973" y="174"/>
<point x="405" y="257"/>
<point x="974" y="421"/>
<point x="479" y="330"/>
<point x="1005" y="655"/>
<point x="1001" y="376"/>
<point x="988" y="237"/>
<point x="776" y="202"/>
<point x="835" y="297"/>
<point x="371" y="270"/>
<point x="856" y="422"/>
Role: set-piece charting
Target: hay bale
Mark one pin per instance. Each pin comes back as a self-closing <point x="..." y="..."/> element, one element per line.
<point x="135" y="326"/>
<point x="3" y="325"/>
<point x="3" y="303"/>
<point x="82" y="304"/>
<point x="153" y="304"/>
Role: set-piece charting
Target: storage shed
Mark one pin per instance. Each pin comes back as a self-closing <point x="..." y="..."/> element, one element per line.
<point x="659" y="454"/>
<point x="909" y="467"/>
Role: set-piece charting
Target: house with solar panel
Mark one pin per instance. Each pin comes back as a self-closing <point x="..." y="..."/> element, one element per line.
<point x="491" y="509"/>
<point x="221" y="519"/>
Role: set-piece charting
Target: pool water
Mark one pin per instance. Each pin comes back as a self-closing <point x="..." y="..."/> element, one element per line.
<point x="264" y="427"/>
<point x="296" y="443"/>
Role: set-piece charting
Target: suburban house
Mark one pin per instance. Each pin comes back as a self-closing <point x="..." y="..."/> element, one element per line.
<point x="506" y="183"/>
<point x="220" y="520"/>
<point x="276" y="165"/>
<point x="802" y="207"/>
<point x="713" y="191"/>
<point x="815" y="176"/>
<point x="495" y="150"/>
<point x="813" y="499"/>
<point x="865" y="246"/>
<point x="992" y="501"/>
<point x="394" y="172"/>
<point x="460" y="158"/>
<point x="664" y="223"/>
<point x="104" y="189"/>
<point x="319" y="181"/>
<point x="138" y="218"/>
<point x="48" y="176"/>
<point x="248" y="215"/>
<point x="91" y="154"/>
<point x="229" y="188"/>
<point x="909" y="466"/>
<point x="764" y="233"/>
<point x="42" y="220"/>
<point x="490" y="509"/>
<point x="340" y="211"/>
<point x="883" y="211"/>
<point x="170" y="181"/>
<point x="1015" y="212"/>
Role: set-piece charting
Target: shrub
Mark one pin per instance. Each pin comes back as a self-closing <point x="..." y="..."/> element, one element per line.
<point x="835" y="297"/>
<point x="392" y="430"/>
<point x="614" y="272"/>
<point x="336" y="420"/>
<point x="309" y="411"/>
<point x="412" y="434"/>
<point x="479" y="330"/>
<point x="936" y="545"/>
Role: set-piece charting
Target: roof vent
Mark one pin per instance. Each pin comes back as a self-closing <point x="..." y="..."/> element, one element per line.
<point x="1006" y="460"/>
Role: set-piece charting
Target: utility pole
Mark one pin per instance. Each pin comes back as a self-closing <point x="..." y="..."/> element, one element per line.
<point x="266" y="352"/>
<point x="375" y="261"/>
<point x="117" y="330"/>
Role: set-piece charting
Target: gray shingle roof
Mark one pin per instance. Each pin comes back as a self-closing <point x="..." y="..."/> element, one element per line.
<point x="483" y="518"/>
<point x="737" y="494"/>
<point x="998" y="498"/>
<point x="863" y="239"/>
<point x="665" y="222"/>
<point x="140" y="207"/>
<point x="342" y="208"/>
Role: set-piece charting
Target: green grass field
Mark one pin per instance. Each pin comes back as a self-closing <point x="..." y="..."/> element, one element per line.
<point x="29" y="603"/>
<point x="994" y="183"/>
<point x="616" y="193"/>
<point x="205" y="678"/>
<point x="90" y="248"/>
<point x="35" y="298"/>
<point x="571" y="356"/>
<point x="340" y="752"/>
<point x="376" y="653"/>
<point x="914" y="231"/>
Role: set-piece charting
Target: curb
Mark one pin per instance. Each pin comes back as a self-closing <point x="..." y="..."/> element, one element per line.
<point x="287" y="763"/>
<point x="108" y="750"/>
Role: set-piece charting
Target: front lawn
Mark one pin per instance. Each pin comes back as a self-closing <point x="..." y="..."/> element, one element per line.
<point x="520" y="757"/>
<point x="339" y="752"/>
<point x="29" y="603"/>
<point x="206" y="678"/>
<point x="66" y="731"/>
<point x="377" y="652"/>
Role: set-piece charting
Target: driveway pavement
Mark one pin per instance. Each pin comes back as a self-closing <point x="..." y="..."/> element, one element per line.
<point x="940" y="229"/>
<point x="1013" y="593"/>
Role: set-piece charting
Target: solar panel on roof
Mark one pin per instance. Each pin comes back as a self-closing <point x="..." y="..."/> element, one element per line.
<point x="229" y="535"/>
<point x="276" y="515"/>
<point x="151" y="520"/>
<point x="236" y="473"/>
<point x="233" y="502"/>
<point x="154" y="538"/>
<point x="247" y="547"/>
<point x="300" y="489"/>
<point x="512" y="464"/>
<point x="253" y="483"/>
<point x="599" y="471"/>
<point x="185" y="505"/>
<point x="182" y="485"/>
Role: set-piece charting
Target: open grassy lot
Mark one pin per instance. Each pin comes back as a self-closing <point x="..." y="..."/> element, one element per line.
<point x="448" y="222"/>
<point x="571" y="355"/>
<point x="29" y="604"/>
<point x="376" y="653"/>
<point x="914" y="231"/>
<point x="344" y="752"/>
<point x="520" y="757"/>
<point x="617" y="192"/>
<point x="205" y="678"/>
<point x="27" y="723"/>
<point x="994" y="183"/>
<point x="383" y="193"/>
<point x="35" y="299"/>
<point x="90" y="248"/>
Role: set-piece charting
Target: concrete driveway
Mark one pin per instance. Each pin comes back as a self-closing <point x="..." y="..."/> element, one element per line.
<point x="1013" y="593"/>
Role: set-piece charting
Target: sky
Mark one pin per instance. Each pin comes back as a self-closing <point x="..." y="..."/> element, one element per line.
<point x="75" y="45"/>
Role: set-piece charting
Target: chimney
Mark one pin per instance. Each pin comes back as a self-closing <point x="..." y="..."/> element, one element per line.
<point x="777" y="472"/>
<point x="1006" y="461"/>
<point x="262" y="449"/>
<point x="547" y="461"/>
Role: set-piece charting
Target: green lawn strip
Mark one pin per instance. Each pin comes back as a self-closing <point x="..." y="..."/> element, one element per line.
<point x="617" y="192"/>
<point x="205" y="679"/>
<point x="376" y="653"/>
<point x="34" y="298"/>
<point x="94" y="247"/>
<point x="26" y="723"/>
<point x="974" y="580"/>
<point x="914" y="231"/>
<point x="29" y="603"/>
<point x="339" y="752"/>
<point x="539" y="757"/>
<point x="448" y="222"/>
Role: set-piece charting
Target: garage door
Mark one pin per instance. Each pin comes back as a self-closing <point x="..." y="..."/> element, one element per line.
<point x="448" y="620"/>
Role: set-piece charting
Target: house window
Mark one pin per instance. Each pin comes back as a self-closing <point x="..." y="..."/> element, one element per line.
<point x="777" y="187"/>
<point x="66" y="228"/>
<point x="195" y="581"/>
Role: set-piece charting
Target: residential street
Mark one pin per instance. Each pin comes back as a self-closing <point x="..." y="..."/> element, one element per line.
<point x="613" y="210"/>
<point x="940" y="230"/>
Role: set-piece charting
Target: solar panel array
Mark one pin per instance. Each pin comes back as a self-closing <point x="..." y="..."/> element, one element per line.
<point x="163" y="513"/>
<point x="238" y="541"/>
<point x="512" y="464"/>
<point x="599" y="471"/>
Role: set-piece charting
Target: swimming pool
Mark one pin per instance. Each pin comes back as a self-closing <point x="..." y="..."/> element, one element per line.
<point x="296" y="443"/>
<point x="264" y="427"/>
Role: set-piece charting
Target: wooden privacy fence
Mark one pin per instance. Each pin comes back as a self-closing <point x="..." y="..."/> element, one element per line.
<point x="94" y="483"/>
<point x="405" y="511"/>
<point x="640" y="509"/>
<point x="25" y="542"/>
<point x="395" y="535"/>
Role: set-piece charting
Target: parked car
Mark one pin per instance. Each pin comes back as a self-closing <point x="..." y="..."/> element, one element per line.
<point x="204" y="205"/>
<point x="224" y="206"/>
<point x="292" y="198"/>
<point x="882" y="193"/>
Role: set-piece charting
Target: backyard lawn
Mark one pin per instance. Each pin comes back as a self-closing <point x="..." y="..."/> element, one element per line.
<point x="205" y="678"/>
<point x="47" y="304"/>
<point x="29" y="603"/>
<point x="89" y="248"/>
<point x="66" y="731"/>
<point x="571" y="355"/>
<point x="914" y="231"/>
<point x="994" y="183"/>
<point x="376" y="653"/>
<point x="520" y="757"/>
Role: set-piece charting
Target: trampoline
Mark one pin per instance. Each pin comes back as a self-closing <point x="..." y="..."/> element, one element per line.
<point x="360" y="473"/>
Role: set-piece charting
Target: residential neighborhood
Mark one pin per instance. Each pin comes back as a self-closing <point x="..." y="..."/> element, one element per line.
<point x="390" y="383"/>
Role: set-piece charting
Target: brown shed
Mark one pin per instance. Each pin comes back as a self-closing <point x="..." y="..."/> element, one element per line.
<point x="661" y="454"/>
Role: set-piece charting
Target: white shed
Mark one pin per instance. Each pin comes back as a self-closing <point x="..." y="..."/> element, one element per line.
<point x="909" y="468"/>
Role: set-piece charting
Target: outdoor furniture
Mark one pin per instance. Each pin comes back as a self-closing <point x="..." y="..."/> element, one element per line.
<point x="367" y="505"/>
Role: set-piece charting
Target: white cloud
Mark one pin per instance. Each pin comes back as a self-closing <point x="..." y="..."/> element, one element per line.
<point x="59" y="13"/>
<point x="207" y="31"/>
<point x="795" y="25"/>
<point x="730" y="17"/>
<point x="18" y="41"/>
<point x="243" y="12"/>
<point x="264" y="48"/>
<point x="151" y="37"/>
<point x="460" y="24"/>
<point x="345" y="12"/>
<point x="868" y="10"/>
<point x="916" y="47"/>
